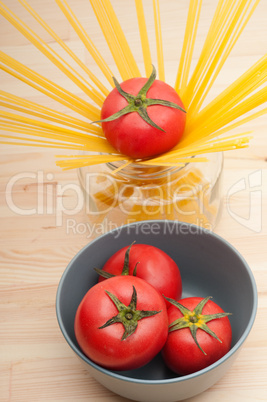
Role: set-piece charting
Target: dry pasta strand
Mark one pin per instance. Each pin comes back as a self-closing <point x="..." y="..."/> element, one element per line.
<point x="157" y="22"/>
<point x="220" y="41"/>
<point x="10" y="101"/>
<point x="188" y="45"/>
<point x="51" y="55"/>
<point x="94" y="79"/>
<point x="47" y="87"/>
<point x="115" y="39"/>
<point x="84" y="37"/>
<point x="143" y="36"/>
<point x="79" y="161"/>
<point x="233" y="101"/>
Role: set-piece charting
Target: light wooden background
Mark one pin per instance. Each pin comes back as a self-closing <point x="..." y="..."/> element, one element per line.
<point x="36" y="363"/>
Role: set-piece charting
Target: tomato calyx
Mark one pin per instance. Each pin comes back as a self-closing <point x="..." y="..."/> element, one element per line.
<point x="140" y="102"/>
<point x="128" y="316"/>
<point x="125" y="269"/>
<point x="194" y="320"/>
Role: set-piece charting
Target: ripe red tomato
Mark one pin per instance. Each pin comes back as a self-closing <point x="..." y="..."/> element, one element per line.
<point x="104" y="322"/>
<point x="182" y="353"/>
<point x="154" y="266"/>
<point x="148" y="129"/>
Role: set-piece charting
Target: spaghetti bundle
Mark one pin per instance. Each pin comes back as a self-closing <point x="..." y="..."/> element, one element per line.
<point x="207" y="130"/>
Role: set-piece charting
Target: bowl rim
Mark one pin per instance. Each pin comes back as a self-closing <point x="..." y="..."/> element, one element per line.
<point x="119" y="376"/>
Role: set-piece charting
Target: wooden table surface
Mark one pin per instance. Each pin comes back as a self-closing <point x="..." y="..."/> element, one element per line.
<point x="36" y="245"/>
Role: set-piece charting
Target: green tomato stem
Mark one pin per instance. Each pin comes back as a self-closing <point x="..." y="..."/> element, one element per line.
<point x="140" y="102"/>
<point x="128" y="316"/>
<point x="194" y="319"/>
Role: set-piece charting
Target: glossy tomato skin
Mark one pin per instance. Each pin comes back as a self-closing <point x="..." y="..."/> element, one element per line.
<point x="130" y="134"/>
<point x="104" y="346"/>
<point x="181" y="354"/>
<point x="154" y="266"/>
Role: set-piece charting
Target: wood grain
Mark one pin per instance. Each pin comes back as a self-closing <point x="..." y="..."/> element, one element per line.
<point x="36" y="363"/>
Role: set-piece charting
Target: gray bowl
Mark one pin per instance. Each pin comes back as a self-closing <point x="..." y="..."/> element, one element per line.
<point x="209" y="266"/>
